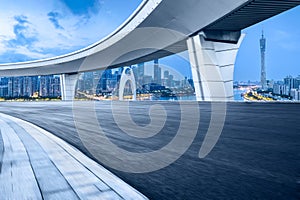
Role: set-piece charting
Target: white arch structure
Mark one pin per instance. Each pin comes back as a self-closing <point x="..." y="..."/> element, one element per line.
<point x="125" y="77"/>
<point x="209" y="30"/>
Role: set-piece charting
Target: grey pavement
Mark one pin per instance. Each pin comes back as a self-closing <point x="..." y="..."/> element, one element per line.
<point x="35" y="164"/>
<point x="256" y="157"/>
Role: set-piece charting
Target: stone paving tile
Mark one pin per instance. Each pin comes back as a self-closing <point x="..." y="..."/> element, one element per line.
<point x="51" y="168"/>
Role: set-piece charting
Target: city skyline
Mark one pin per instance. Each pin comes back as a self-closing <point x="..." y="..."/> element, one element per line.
<point x="281" y="58"/>
<point x="30" y="86"/>
<point x="94" y="83"/>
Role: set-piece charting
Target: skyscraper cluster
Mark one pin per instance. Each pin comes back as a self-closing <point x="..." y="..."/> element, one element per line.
<point x="157" y="73"/>
<point x="104" y="82"/>
<point x="92" y="83"/>
<point x="164" y="79"/>
<point x="99" y="81"/>
<point x="29" y="86"/>
<point x="290" y="86"/>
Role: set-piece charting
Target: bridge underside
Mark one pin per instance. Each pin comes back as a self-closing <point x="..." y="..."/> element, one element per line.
<point x="227" y="29"/>
<point x="252" y="12"/>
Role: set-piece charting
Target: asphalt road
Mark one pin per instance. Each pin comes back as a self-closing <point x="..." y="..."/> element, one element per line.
<point x="256" y="157"/>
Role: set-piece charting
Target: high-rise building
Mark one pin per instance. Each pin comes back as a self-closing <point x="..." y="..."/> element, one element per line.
<point x="49" y="86"/>
<point x="297" y="84"/>
<point x="88" y="82"/>
<point x="44" y="86"/>
<point x="291" y="83"/>
<point x="10" y="86"/>
<point x="17" y="86"/>
<point x="96" y="78"/>
<point x="35" y="84"/>
<point x="289" y="87"/>
<point x="295" y="94"/>
<point x="27" y="86"/>
<point x="263" y="78"/>
<point x="157" y="72"/>
<point x="80" y="83"/>
<point x="141" y="69"/>
<point x="166" y="74"/>
<point x="135" y="70"/>
<point x="171" y="81"/>
<point x="140" y="75"/>
<point x="166" y="78"/>
<point x="105" y="81"/>
<point x="3" y="87"/>
<point x="54" y="90"/>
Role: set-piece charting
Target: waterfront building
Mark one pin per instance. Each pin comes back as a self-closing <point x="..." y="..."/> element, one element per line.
<point x="98" y="82"/>
<point x="147" y="79"/>
<point x="289" y="86"/>
<point x="49" y="86"/>
<point x="171" y="81"/>
<point x="54" y="86"/>
<point x="80" y="83"/>
<point x="10" y="86"/>
<point x="278" y="88"/>
<point x="27" y="86"/>
<point x="107" y="81"/>
<point x="295" y="94"/>
<point x="3" y="87"/>
<point x="157" y="72"/>
<point x="290" y="81"/>
<point x="44" y="86"/>
<point x="96" y="79"/>
<point x="18" y="87"/>
<point x="88" y="82"/>
<point x="140" y="74"/>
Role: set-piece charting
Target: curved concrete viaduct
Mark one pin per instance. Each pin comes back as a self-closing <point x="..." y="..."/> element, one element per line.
<point x="209" y="30"/>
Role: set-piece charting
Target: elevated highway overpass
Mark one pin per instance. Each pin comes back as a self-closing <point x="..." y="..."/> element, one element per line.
<point x="209" y="30"/>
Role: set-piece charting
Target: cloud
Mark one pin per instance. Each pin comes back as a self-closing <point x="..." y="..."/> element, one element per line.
<point x="21" y="19"/>
<point x="25" y="34"/>
<point x="20" y="47"/>
<point x="40" y="33"/>
<point x="31" y="30"/>
<point x="31" y="54"/>
<point x="54" y="17"/>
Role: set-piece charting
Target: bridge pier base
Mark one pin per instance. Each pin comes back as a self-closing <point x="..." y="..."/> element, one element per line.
<point x="212" y="66"/>
<point x="67" y="86"/>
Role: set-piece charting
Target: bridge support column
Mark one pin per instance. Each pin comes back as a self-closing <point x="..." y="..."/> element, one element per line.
<point x="212" y="66"/>
<point x="67" y="86"/>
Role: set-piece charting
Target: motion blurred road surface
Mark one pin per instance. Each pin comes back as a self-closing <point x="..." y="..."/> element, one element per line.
<point x="256" y="157"/>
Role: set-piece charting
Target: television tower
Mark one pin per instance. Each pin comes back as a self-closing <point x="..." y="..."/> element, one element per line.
<point x="263" y="79"/>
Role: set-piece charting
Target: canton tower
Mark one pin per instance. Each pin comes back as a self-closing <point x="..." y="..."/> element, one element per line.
<point x="263" y="79"/>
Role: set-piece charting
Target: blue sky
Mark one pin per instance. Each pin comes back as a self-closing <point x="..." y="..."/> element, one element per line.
<point x="283" y="48"/>
<point x="33" y="30"/>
